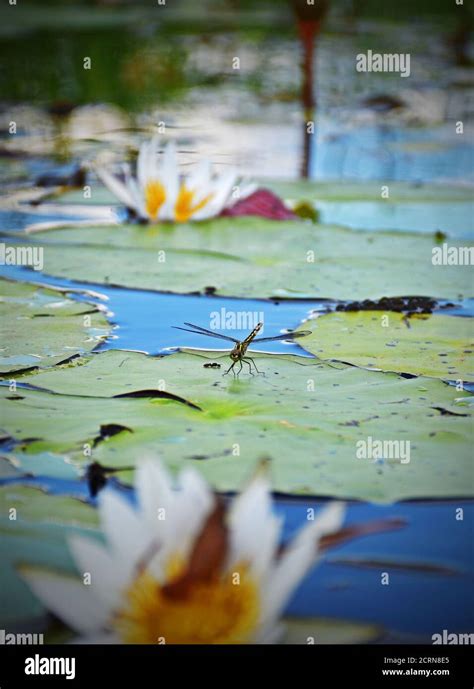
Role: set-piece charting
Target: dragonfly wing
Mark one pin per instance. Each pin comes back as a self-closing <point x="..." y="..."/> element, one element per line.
<point x="202" y="331"/>
<point x="198" y="327"/>
<point x="283" y="336"/>
<point x="212" y="332"/>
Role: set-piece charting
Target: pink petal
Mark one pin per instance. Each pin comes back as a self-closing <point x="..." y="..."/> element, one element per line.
<point x="263" y="203"/>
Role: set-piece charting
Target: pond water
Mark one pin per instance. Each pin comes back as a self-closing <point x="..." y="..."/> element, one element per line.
<point x="144" y="320"/>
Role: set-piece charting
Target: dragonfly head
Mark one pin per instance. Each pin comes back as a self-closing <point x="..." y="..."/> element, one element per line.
<point x="236" y="353"/>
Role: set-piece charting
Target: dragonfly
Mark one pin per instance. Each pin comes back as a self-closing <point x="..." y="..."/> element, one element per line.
<point x="238" y="353"/>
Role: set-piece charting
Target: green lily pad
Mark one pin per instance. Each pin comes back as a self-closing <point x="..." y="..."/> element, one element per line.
<point x="37" y="536"/>
<point x="429" y="345"/>
<point x="42" y="464"/>
<point x="319" y="630"/>
<point x="307" y="415"/>
<point x="33" y="505"/>
<point x="42" y="327"/>
<point x="253" y="257"/>
<point x="453" y="219"/>
<point x="341" y="190"/>
<point x="400" y="192"/>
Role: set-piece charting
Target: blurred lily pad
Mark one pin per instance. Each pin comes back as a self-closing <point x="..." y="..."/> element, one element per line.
<point x="31" y="505"/>
<point x="328" y="631"/>
<point x="42" y="327"/>
<point x="346" y="190"/>
<point x="33" y="529"/>
<point x="430" y="345"/>
<point x="254" y="257"/>
<point x="342" y="190"/>
<point x="307" y="415"/>
<point x="18" y="463"/>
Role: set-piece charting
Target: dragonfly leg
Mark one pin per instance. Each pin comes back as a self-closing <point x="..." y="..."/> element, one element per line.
<point x="240" y="362"/>
<point x="231" y="367"/>
<point x="254" y="365"/>
<point x="249" y="365"/>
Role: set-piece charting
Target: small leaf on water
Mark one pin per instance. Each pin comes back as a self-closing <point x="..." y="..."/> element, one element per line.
<point x="108" y="430"/>
<point x="357" y="530"/>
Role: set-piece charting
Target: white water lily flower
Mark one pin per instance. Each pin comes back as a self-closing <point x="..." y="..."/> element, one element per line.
<point x="160" y="193"/>
<point x="180" y="568"/>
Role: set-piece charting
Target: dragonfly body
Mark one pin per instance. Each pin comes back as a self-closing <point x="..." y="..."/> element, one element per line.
<point x="240" y="349"/>
<point x="238" y="354"/>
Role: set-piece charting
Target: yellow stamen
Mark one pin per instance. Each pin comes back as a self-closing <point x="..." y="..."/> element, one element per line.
<point x="221" y="611"/>
<point x="184" y="207"/>
<point x="155" y="195"/>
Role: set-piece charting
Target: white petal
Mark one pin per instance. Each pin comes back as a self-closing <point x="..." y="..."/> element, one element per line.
<point x="221" y="190"/>
<point x="330" y="518"/>
<point x="155" y="496"/>
<point x="137" y="196"/>
<point x="142" y="164"/>
<point x="125" y="532"/>
<point x="254" y="529"/>
<point x="147" y="163"/>
<point x="153" y="164"/>
<point x="184" y="510"/>
<point x="271" y="634"/>
<point x="109" y="576"/>
<point x="246" y="190"/>
<point x="195" y="492"/>
<point x="206" y="212"/>
<point x="199" y="179"/>
<point x="284" y="580"/>
<point x="297" y="559"/>
<point x="116" y="187"/>
<point x="68" y="599"/>
<point x="194" y="502"/>
<point x="169" y="177"/>
<point x="157" y="504"/>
